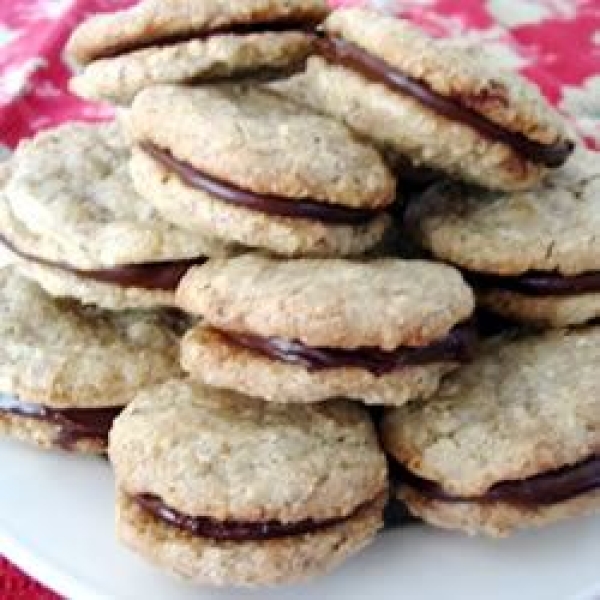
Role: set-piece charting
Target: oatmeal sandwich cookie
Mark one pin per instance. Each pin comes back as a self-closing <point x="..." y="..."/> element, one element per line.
<point x="508" y="442"/>
<point x="66" y="371"/>
<point x="437" y="104"/>
<point x="73" y="222"/>
<point x="305" y="330"/>
<point x="247" y="166"/>
<point x="189" y="41"/>
<point x="534" y="257"/>
<point x="227" y="490"/>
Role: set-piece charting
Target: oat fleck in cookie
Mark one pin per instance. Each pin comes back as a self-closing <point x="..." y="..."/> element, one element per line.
<point x="71" y="220"/>
<point x="508" y="442"/>
<point x="441" y="106"/>
<point x="66" y="371"/>
<point x="186" y="41"/>
<point x="301" y="331"/>
<point x="249" y="167"/>
<point x="533" y="256"/>
<point x="226" y="490"/>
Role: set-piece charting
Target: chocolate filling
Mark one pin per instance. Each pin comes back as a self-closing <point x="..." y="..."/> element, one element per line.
<point x="277" y="206"/>
<point x="234" y="531"/>
<point x="75" y="424"/>
<point x="273" y="26"/>
<point x="537" y="283"/>
<point x="346" y="54"/>
<point x="455" y="347"/>
<point x="545" y="489"/>
<point x="149" y="276"/>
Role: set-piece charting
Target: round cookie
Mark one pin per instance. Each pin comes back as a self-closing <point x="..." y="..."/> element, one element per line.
<point x="246" y="166"/>
<point x="72" y="220"/>
<point x="155" y="42"/>
<point x="533" y="256"/>
<point x="185" y="41"/>
<point x="306" y="330"/>
<point x="66" y="370"/>
<point x="439" y="105"/>
<point x="227" y="490"/>
<point x="508" y="442"/>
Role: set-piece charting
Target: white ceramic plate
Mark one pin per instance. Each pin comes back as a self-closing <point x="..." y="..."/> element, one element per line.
<point x="56" y="523"/>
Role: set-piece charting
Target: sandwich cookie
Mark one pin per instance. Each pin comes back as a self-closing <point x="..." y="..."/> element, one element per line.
<point x="227" y="490"/>
<point x="187" y="41"/>
<point x="66" y="371"/>
<point x="508" y="442"/>
<point x="439" y="105"/>
<point x="73" y="222"/>
<point x="534" y="257"/>
<point x="247" y="166"/>
<point x="383" y="332"/>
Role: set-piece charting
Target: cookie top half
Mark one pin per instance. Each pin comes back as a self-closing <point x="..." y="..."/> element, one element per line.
<point x="158" y="22"/>
<point x="61" y="354"/>
<point x="69" y="198"/>
<point x="251" y="139"/>
<point x="216" y="454"/>
<point x="522" y="408"/>
<point x="339" y="303"/>
<point x="555" y="227"/>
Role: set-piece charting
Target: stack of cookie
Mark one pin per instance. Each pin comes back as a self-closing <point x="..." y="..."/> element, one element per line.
<point x="262" y="210"/>
<point x="87" y="267"/>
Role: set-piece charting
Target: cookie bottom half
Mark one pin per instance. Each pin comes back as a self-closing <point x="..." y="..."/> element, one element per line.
<point x="49" y="436"/>
<point x="545" y="311"/>
<point x="249" y="563"/>
<point x="208" y="357"/>
<point x="497" y="519"/>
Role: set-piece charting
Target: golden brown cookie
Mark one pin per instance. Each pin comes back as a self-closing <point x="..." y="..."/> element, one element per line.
<point x="227" y="490"/>
<point x="439" y="105"/>
<point x="508" y="442"/>
<point x="298" y="331"/>
<point x="185" y="41"/>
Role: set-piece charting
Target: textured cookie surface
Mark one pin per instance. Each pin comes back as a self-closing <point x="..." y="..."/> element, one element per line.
<point x="197" y="211"/>
<point x="499" y="519"/>
<point x="399" y="122"/>
<point x="46" y="436"/>
<point x="71" y="194"/>
<point x="211" y="453"/>
<point x="210" y="359"/>
<point x="155" y="20"/>
<point x="60" y="354"/>
<point x="261" y="143"/>
<point x="555" y="227"/>
<point x="278" y="561"/>
<point x="62" y="283"/>
<point x="385" y="303"/>
<point x="541" y="311"/>
<point x="461" y="73"/>
<point x="120" y="78"/>
<point x="522" y="408"/>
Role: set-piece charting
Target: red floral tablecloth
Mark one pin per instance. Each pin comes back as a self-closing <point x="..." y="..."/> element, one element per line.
<point x="554" y="42"/>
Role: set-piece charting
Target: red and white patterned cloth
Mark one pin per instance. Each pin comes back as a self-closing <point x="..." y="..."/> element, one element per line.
<point x="556" y="43"/>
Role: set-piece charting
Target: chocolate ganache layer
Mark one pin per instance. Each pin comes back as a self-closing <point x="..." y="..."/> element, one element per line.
<point x="277" y="206"/>
<point x="74" y="424"/>
<point x="537" y="283"/>
<point x="545" y="489"/>
<point x="455" y="347"/>
<point x="277" y="25"/>
<point x="340" y="52"/>
<point x="235" y="531"/>
<point x="164" y="276"/>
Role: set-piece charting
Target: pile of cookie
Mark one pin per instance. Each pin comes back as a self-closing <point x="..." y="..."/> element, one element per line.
<point x="221" y="269"/>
